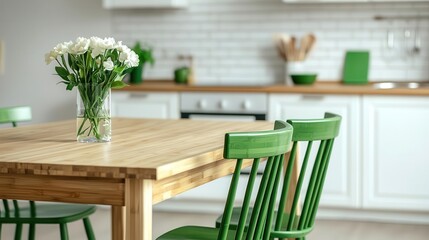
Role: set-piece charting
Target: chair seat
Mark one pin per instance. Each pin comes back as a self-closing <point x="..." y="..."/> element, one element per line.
<point x="194" y="233"/>
<point x="49" y="214"/>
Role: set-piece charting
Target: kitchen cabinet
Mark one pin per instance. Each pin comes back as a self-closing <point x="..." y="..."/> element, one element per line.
<point x="342" y="182"/>
<point x="349" y="1"/>
<point x="378" y="167"/>
<point x="109" y="4"/>
<point x="145" y="105"/>
<point x="395" y="153"/>
<point x="324" y="1"/>
<point x="399" y="1"/>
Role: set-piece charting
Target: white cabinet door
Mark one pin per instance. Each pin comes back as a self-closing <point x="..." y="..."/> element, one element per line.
<point x="342" y="182"/>
<point x="145" y="105"/>
<point x="348" y="1"/>
<point x="112" y="4"/>
<point x="326" y="1"/>
<point x="396" y="147"/>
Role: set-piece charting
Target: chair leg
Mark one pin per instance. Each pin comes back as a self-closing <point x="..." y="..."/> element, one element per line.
<point x="32" y="232"/>
<point x="18" y="231"/>
<point x="64" y="231"/>
<point x="88" y="229"/>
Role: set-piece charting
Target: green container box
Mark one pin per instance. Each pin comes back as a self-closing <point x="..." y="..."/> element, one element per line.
<point x="181" y="75"/>
<point x="356" y="67"/>
<point x="136" y="75"/>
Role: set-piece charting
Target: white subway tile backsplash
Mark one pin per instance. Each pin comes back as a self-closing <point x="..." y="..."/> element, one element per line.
<point x="232" y="40"/>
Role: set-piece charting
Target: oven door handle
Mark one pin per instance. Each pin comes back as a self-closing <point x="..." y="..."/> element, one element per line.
<point x="257" y="116"/>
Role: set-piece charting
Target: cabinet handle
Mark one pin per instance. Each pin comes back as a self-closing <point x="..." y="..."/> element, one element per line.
<point x="138" y="95"/>
<point x="202" y="104"/>
<point x="246" y="105"/>
<point x="312" y="97"/>
<point x="223" y="104"/>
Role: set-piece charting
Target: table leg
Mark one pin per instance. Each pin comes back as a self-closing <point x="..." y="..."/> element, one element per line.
<point x="293" y="182"/>
<point x="118" y="222"/>
<point x="138" y="203"/>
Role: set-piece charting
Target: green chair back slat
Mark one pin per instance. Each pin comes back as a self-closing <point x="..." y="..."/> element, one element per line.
<point x="312" y="187"/>
<point x="230" y="201"/>
<point x="285" y="188"/>
<point x="259" y="200"/>
<point x="262" y="219"/>
<point x="6" y="207"/>
<point x="292" y="216"/>
<point x="309" y="131"/>
<point x="15" y="114"/>
<point x="271" y="208"/>
<point x="321" y="182"/>
<point x="246" y="203"/>
<point x="270" y="145"/>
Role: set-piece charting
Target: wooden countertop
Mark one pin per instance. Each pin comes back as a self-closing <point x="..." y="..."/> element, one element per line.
<point x="317" y="88"/>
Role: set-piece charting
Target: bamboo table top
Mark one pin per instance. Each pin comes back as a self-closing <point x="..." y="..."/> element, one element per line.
<point x="140" y="148"/>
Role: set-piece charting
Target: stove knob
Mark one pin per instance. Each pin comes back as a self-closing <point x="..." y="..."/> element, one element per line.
<point x="223" y="104"/>
<point x="202" y="104"/>
<point x="246" y="105"/>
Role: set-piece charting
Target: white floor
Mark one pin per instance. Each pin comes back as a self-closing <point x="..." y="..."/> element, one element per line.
<point x="324" y="230"/>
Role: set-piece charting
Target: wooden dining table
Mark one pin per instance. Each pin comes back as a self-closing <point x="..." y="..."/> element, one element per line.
<point x="147" y="161"/>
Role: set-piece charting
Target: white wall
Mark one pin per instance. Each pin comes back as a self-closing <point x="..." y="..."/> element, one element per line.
<point x="29" y="29"/>
<point x="232" y="39"/>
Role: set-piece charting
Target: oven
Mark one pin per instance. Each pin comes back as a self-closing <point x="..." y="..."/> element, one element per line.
<point x="226" y="107"/>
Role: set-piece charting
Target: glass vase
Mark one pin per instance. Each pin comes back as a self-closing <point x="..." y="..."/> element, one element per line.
<point x="93" y="113"/>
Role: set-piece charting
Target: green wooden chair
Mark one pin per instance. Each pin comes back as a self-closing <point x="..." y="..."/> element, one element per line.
<point x="293" y="224"/>
<point x="15" y="114"/>
<point x="14" y="213"/>
<point x="246" y="145"/>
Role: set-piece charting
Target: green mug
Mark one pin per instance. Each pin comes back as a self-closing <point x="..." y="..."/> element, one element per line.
<point x="181" y="75"/>
<point x="136" y="75"/>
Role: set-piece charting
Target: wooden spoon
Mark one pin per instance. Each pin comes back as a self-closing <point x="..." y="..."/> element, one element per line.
<point x="278" y="40"/>
<point x="292" y="49"/>
<point x="310" y="44"/>
<point x="303" y="47"/>
<point x="285" y="42"/>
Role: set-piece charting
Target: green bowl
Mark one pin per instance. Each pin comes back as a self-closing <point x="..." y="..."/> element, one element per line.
<point x="304" y="78"/>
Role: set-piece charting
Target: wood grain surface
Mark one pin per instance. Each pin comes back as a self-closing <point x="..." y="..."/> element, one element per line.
<point x="147" y="161"/>
<point x="146" y="149"/>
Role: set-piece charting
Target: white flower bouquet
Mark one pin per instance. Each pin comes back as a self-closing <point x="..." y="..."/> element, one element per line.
<point x="94" y="66"/>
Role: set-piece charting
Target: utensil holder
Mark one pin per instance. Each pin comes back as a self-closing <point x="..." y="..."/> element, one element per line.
<point x="293" y="67"/>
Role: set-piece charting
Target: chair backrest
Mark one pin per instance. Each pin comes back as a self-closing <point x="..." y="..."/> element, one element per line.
<point x="15" y="114"/>
<point x="324" y="131"/>
<point x="272" y="144"/>
<point x="14" y="212"/>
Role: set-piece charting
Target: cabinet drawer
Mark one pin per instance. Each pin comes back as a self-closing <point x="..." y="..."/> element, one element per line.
<point x="145" y="105"/>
